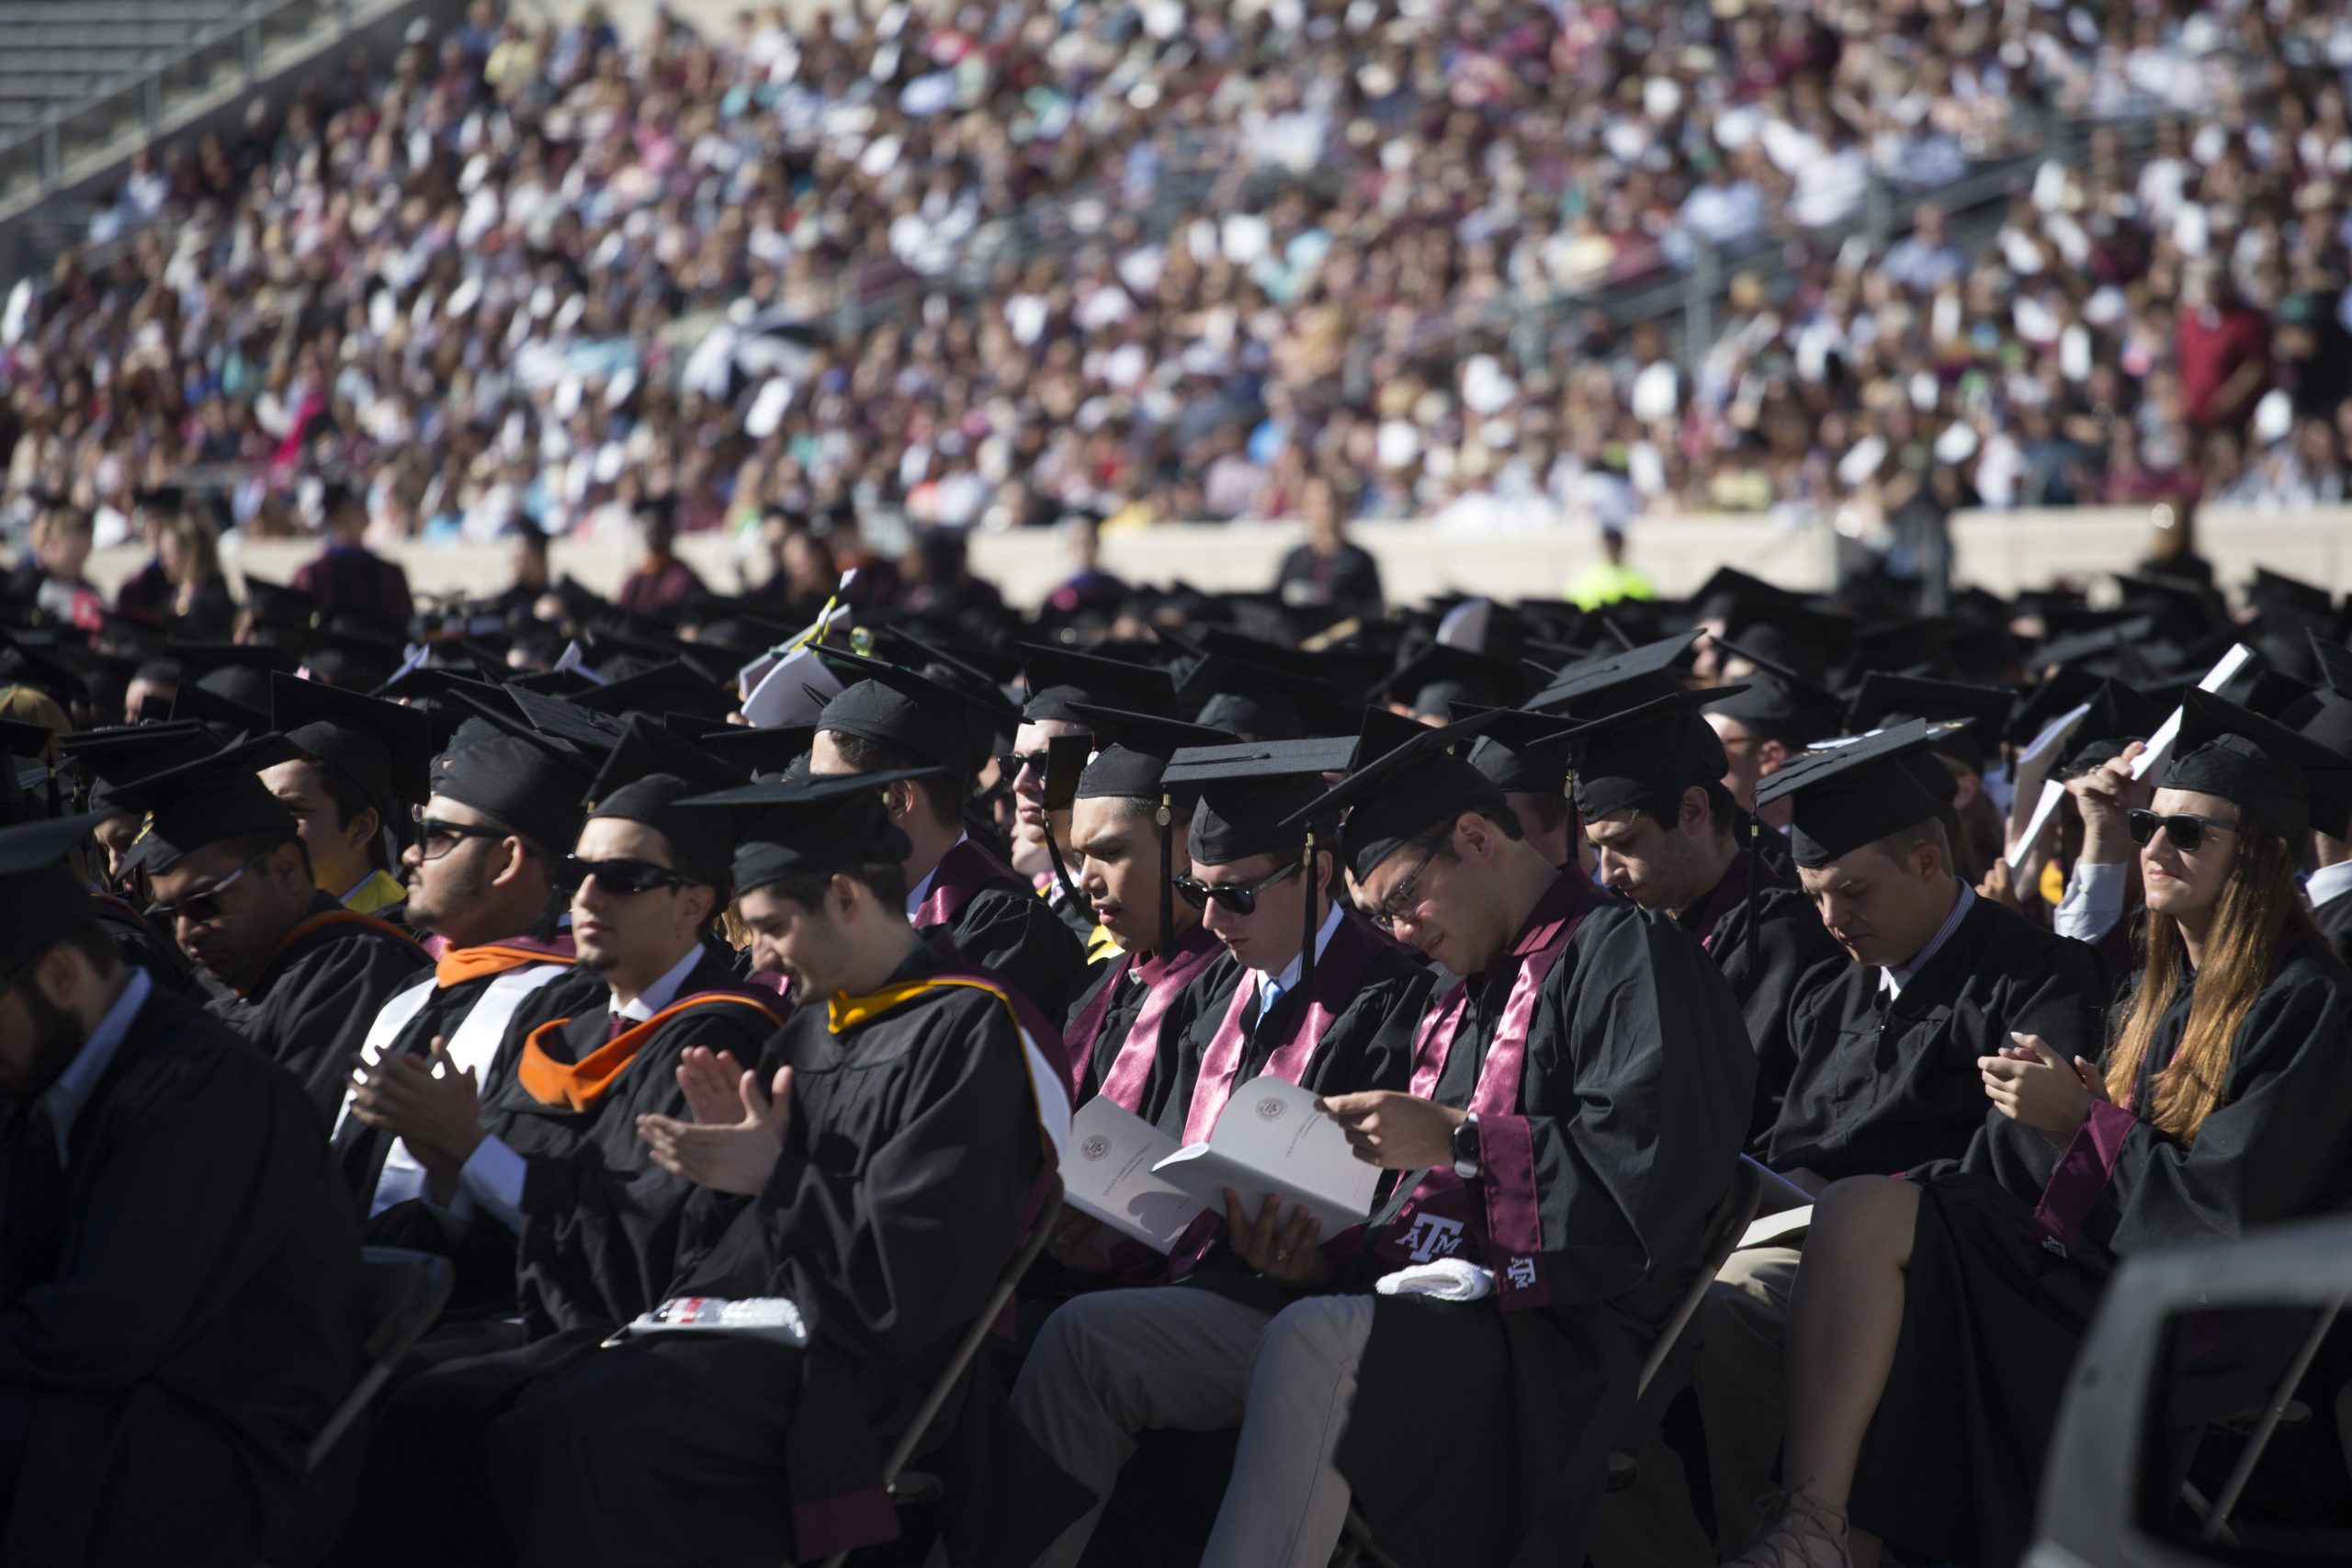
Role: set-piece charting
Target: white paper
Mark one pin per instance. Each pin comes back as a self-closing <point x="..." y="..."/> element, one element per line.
<point x="1272" y="1140"/>
<point x="2160" y="744"/>
<point x="748" y="678"/>
<point x="574" y="659"/>
<point x="1108" y="1174"/>
<point x="781" y="697"/>
<point x="1782" y="1229"/>
<point x="2037" y="793"/>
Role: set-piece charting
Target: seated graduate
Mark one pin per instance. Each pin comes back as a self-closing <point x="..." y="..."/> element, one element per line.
<point x="2325" y="717"/>
<point x="179" y="1279"/>
<point x="484" y="876"/>
<point x="1885" y="1080"/>
<point x="1935" y="1318"/>
<point x="547" y="1152"/>
<point x="1764" y="728"/>
<point x="865" y="1179"/>
<point x="1521" y="754"/>
<point x="1126" y="834"/>
<point x="359" y="768"/>
<point x="304" y="975"/>
<point x="890" y="719"/>
<point x="1577" y="1106"/>
<point x="1648" y="787"/>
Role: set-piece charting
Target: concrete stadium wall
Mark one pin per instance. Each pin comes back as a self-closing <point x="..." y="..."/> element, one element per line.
<point x="2002" y="551"/>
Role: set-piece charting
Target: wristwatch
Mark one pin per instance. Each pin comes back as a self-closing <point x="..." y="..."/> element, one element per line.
<point x="1466" y="1148"/>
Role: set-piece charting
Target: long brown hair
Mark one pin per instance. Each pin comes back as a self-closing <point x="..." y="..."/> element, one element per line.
<point x="2258" y="913"/>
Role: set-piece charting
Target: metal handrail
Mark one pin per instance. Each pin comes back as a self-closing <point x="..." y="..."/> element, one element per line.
<point x="243" y="26"/>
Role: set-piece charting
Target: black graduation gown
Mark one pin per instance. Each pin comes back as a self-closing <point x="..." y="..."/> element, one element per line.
<point x="2017" y="1241"/>
<point x="1884" y="1086"/>
<point x="1114" y="1001"/>
<point x="1773" y="957"/>
<point x="1480" y="1435"/>
<point x="994" y="920"/>
<point x="2335" y="922"/>
<point x="179" y="1306"/>
<point x="913" y="1160"/>
<point x="138" y="942"/>
<point x="310" y="1009"/>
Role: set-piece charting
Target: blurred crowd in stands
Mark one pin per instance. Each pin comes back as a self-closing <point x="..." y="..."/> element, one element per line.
<point x="994" y="265"/>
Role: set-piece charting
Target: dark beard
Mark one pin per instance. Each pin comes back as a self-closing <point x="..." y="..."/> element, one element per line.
<point x="58" y="1035"/>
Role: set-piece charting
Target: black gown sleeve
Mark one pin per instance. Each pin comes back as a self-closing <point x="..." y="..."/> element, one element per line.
<point x="1775" y="964"/>
<point x="1017" y="936"/>
<point x="316" y="1015"/>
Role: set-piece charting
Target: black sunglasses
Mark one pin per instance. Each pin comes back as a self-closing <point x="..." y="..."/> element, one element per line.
<point x="1010" y="765"/>
<point x="1239" y="899"/>
<point x="436" y="837"/>
<point x="202" y="908"/>
<point x="2185" y="830"/>
<point x="622" y="878"/>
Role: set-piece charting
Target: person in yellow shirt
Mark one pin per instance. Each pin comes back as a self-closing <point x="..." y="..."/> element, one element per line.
<point x="357" y="764"/>
<point x="1609" y="580"/>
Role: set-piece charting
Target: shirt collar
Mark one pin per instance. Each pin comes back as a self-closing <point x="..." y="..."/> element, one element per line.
<point x="660" y="994"/>
<point x="72" y="1092"/>
<point x="1289" y="976"/>
<point x="2329" y="883"/>
<point x="1896" y="976"/>
<point x="922" y="890"/>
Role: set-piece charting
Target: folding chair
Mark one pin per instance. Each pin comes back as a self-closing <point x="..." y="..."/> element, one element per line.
<point x="404" y="1293"/>
<point x="906" y="1485"/>
<point x="1724" y="1227"/>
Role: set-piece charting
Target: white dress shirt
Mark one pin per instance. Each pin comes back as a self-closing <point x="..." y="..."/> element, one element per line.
<point x="1289" y="977"/>
<point x="1896" y="976"/>
<point x="2094" y="901"/>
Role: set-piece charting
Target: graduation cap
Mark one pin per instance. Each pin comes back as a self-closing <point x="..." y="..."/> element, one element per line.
<point x="1136" y="750"/>
<point x="674" y="686"/>
<point x="528" y="782"/>
<point x="41" y="899"/>
<point x="1884" y="700"/>
<point x="2258" y="764"/>
<point x="207" y="801"/>
<point x="1915" y="645"/>
<point x="1058" y="677"/>
<point x="2275" y="590"/>
<point x="278" y="608"/>
<point x="753" y="752"/>
<point x="384" y="749"/>
<point x="2036" y="706"/>
<point x="2184" y="611"/>
<point x="1642" y="755"/>
<point x="910" y="714"/>
<point x="1849" y="795"/>
<point x="645" y="777"/>
<point x="1781" y="703"/>
<point x="1406" y="778"/>
<point x="810" y="826"/>
<point x="1522" y="753"/>
<point x="2117" y="716"/>
<point x="1773" y="620"/>
<point x="1441" y="675"/>
<point x="38" y="661"/>
<point x="1615" y="680"/>
<point x="237" y="672"/>
<point x="113" y="758"/>
<point x="1253" y="798"/>
<point x="591" y="733"/>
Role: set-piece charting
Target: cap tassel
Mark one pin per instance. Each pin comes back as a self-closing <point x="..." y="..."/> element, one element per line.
<point x="1167" y="819"/>
<point x="1306" y="946"/>
<point x="1061" y="870"/>
<point x="1755" y="870"/>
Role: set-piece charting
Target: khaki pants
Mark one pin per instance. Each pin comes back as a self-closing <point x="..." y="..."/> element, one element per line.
<point x="1736" y="1371"/>
<point x="1111" y="1365"/>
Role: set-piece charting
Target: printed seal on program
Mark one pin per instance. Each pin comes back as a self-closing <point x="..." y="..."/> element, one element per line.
<point x="1270" y="1108"/>
<point x="1094" y="1147"/>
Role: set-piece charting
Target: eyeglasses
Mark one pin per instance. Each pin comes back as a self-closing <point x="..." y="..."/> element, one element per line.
<point x="437" y="835"/>
<point x="1401" y="902"/>
<point x="622" y="878"/>
<point x="203" y="909"/>
<point x="1239" y="899"/>
<point x="2185" y="830"/>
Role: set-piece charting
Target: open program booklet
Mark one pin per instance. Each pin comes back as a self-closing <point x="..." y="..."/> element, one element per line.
<point x="1270" y="1139"/>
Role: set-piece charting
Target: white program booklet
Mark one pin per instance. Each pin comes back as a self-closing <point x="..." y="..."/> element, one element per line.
<point x="2167" y="735"/>
<point x="1271" y="1139"/>
<point x="1107" y="1175"/>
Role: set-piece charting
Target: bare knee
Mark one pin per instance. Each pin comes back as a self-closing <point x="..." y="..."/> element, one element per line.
<point x="1866" y="1217"/>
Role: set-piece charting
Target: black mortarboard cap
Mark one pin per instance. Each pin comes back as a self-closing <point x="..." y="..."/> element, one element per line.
<point x="525" y="781"/>
<point x="1846" y="797"/>
<point x="281" y="609"/>
<point x="40" y="897"/>
<point x="2035" y="708"/>
<point x="1521" y="752"/>
<point x="1615" y="680"/>
<point x="2258" y="764"/>
<point x="1059" y="677"/>
<point x="1641" y="755"/>
<point x="1781" y="703"/>
<point x="1883" y="700"/>
<point x="1252" y="798"/>
<point x="755" y="752"/>
<point x="206" y="801"/>
<point x="674" y="686"/>
<point x="2119" y="715"/>
<point x="808" y="826"/>
<point x="913" y="715"/>
<point x="1405" y="779"/>
<point x="385" y="749"/>
<point x="122" y="755"/>
<point x="1135" y="749"/>
<point x="1441" y="675"/>
<point x="646" y="777"/>
<point x="592" y="733"/>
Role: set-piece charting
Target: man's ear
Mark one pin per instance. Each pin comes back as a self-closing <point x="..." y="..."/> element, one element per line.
<point x="364" y="826"/>
<point x="1475" y="837"/>
<point x="518" y="857"/>
<point x="1772" y="752"/>
<point x="1693" y="819"/>
<point x="903" y="800"/>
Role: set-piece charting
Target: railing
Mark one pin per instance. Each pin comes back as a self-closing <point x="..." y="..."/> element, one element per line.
<point x="34" y="158"/>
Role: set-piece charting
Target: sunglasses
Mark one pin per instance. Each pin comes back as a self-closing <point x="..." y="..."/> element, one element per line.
<point x="1402" y="901"/>
<point x="1237" y="899"/>
<point x="203" y="909"/>
<point x="2186" y="831"/>
<point x="622" y="878"/>
<point x="435" y="836"/>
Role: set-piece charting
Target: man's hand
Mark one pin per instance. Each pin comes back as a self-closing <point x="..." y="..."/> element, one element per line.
<point x="1081" y="1243"/>
<point x="1284" y="1252"/>
<point x="1395" y="1131"/>
<point x="2032" y="1085"/>
<point x="735" y="1157"/>
<point x="709" y="1083"/>
<point x="1996" y="888"/>
<point x="2104" y="796"/>
<point x="427" y="1105"/>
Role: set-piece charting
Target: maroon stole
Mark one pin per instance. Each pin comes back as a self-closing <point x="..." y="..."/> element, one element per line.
<point x="963" y="871"/>
<point x="1439" y="1218"/>
<point x="1729" y="894"/>
<point x="1125" y="1077"/>
<point x="1339" y="973"/>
